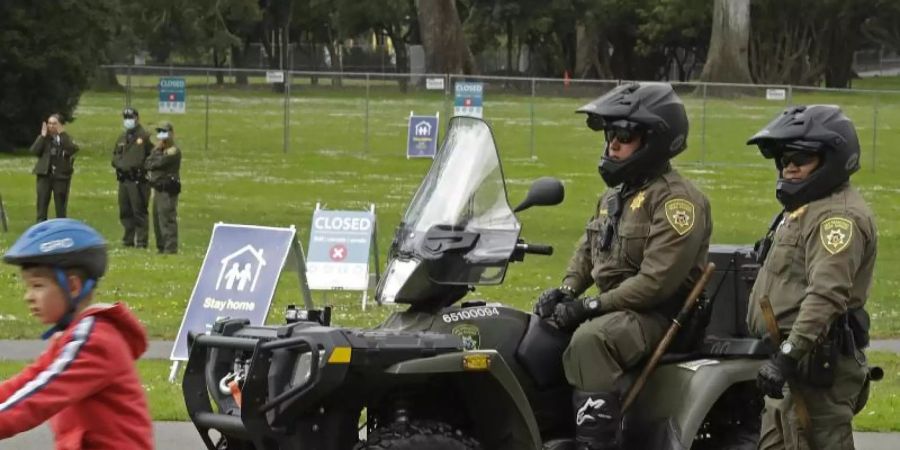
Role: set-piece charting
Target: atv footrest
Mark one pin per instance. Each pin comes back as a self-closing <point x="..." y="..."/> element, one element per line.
<point x="231" y="425"/>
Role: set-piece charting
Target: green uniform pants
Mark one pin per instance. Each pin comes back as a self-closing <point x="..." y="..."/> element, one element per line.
<point x="59" y="188"/>
<point x="165" y="221"/>
<point x="603" y="348"/>
<point x="831" y="410"/>
<point x="133" y="201"/>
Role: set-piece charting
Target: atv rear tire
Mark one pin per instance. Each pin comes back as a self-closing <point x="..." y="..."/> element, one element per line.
<point x="417" y="435"/>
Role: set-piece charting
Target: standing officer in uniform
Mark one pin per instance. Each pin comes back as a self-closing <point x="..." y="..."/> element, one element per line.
<point x="818" y="261"/>
<point x="644" y="248"/>
<point x="56" y="151"/>
<point x="129" y="155"/>
<point x="164" y="165"/>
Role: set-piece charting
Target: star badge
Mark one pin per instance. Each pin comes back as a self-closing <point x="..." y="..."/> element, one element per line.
<point x="836" y="233"/>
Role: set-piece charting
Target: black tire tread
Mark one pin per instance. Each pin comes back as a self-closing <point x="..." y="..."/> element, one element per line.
<point x="419" y="434"/>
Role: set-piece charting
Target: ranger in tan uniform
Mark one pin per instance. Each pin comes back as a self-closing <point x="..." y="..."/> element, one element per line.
<point x="818" y="262"/>
<point x="164" y="165"/>
<point x="55" y="151"/>
<point x="644" y="248"/>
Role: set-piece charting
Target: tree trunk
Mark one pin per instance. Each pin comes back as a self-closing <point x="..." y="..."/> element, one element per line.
<point x="446" y="50"/>
<point x="591" y="50"/>
<point x="104" y="79"/>
<point x="726" y="61"/>
<point x="238" y="54"/>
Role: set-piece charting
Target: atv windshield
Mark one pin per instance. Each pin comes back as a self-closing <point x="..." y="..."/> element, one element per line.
<point x="460" y="220"/>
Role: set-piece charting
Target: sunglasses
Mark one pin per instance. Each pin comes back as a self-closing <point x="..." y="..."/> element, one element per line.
<point x="622" y="130"/>
<point x="797" y="158"/>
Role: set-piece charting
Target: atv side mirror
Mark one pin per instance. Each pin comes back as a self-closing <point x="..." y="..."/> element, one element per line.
<point x="545" y="191"/>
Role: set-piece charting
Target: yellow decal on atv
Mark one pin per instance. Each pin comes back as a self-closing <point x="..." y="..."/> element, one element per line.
<point x="835" y="234"/>
<point x="680" y="213"/>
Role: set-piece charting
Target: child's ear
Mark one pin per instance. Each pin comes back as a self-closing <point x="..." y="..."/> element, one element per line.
<point x="75" y="285"/>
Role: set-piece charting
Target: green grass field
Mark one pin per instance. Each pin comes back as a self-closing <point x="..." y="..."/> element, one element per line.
<point x="245" y="177"/>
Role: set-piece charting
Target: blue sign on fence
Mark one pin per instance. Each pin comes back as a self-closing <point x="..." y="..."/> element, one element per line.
<point x="469" y="100"/>
<point x="339" y="249"/>
<point x="172" y="96"/>
<point x="237" y="278"/>
<point x="422" y="137"/>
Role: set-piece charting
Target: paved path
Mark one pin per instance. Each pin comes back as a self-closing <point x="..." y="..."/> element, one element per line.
<point x="183" y="436"/>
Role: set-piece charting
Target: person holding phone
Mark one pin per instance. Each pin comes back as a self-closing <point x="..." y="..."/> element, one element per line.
<point x="55" y="151"/>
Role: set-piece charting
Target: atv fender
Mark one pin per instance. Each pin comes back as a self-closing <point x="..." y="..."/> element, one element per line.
<point x="677" y="397"/>
<point x="496" y="402"/>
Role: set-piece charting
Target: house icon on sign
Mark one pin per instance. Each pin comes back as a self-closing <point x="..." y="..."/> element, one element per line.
<point x="240" y="268"/>
<point x="423" y="128"/>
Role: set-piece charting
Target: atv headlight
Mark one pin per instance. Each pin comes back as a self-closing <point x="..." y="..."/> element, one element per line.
<point x="302" y="368"/>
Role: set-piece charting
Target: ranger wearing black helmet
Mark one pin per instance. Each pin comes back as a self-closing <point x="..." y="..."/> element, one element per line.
<point x="128" y="158"/>
<point x="817" y="265"/>
<point x="644" y="248"/>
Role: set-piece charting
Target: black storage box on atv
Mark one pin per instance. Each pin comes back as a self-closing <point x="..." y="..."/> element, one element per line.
<point x="736" y="270"/>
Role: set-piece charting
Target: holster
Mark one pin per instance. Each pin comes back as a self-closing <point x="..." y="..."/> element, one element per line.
<point x="817" y="367"/>
<point x="168" y="184"/>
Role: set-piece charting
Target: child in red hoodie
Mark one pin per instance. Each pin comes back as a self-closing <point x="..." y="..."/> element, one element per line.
<point x="86" y="382"/>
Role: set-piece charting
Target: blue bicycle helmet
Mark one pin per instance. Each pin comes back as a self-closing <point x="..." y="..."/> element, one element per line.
<point x="62" y="244"/>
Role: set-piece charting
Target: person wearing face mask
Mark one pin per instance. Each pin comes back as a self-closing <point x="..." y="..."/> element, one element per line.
<point x="55" y="151"/>
<point x="164" y="165"/>
<point x="644" y="248"/>
<point x="128" y="158"/>
<point x="817" y="265"/>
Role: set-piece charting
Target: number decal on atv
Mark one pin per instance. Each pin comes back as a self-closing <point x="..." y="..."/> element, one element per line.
<point x="470" y="313"/>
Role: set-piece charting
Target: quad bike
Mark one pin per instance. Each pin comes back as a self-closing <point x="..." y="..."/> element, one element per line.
<point x="453" y="373"/>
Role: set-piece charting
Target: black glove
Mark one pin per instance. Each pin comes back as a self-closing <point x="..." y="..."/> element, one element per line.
<point x="547" y="301"/>
<point x="570" y="314"/>
<point x="772" y="375"/>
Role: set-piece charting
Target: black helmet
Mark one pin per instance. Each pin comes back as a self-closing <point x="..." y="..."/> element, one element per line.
<point x="820" y="129"/>
<point x="657" y="111"/>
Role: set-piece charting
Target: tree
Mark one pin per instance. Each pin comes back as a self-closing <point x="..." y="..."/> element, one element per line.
<point x="446" y="50"/>
<point x="727" y="59"/>
<point x="48" y="51"/>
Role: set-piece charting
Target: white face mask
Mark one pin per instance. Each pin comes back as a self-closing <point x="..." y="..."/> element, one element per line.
<point x="162" y="135"/>
<point x="129" y="124"/>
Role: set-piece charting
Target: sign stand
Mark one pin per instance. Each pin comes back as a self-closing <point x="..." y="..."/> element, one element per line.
<point x="341" y="250"/>
<point x="238" y="279"/>
<point x="3" y="216"/>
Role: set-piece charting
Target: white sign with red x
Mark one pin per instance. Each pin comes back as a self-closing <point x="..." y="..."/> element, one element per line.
<point x="339" y="250"/>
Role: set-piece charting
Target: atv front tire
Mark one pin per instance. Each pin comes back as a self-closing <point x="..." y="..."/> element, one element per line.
<point x="417" y="435"/>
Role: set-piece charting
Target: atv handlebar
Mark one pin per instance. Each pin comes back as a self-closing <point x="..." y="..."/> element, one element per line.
<point x="534" y="249"/>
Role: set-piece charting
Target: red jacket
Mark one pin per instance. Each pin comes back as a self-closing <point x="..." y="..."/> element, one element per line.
<point x="86" y="383"/>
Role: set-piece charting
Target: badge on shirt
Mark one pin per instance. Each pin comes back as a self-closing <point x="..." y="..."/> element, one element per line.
<point x="140" y="141"/>
<point x="638" y="201"/>
<point x="835" y="234"/>
<point x="171" y="151"/>
<point x="680" y="213"/>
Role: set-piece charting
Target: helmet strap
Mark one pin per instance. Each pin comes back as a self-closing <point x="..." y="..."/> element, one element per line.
<point x="72" y="302"/>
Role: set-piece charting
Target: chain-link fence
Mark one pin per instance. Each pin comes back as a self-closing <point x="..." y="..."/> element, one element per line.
<point x="531" y="117"/>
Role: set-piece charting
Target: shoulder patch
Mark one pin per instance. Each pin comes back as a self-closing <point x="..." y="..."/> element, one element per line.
<point x="680" y="213"/>
<point x="171" y="151"/>
<point x="836" y="234"/>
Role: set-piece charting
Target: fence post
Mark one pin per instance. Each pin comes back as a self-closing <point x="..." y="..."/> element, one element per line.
<point x="703" y="128"/>
<point x="287" y="109"/>
<point x="366" y="142"/>
<point x="874" y="129"/>
<point x="128" y="87"/>
<point x="206" y="129"/>
<point x="533" y="157"/>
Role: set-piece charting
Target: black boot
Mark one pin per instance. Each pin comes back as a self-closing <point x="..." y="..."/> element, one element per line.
<point x="597" y="420"/>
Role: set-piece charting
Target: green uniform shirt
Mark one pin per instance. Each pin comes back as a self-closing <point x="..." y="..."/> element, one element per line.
<point x="55" y="156"/>
<point x="820" y="264"/>
<point x="132" y="149"/>
<point x="164" y="163"/>
<point x="658" y="252"/>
